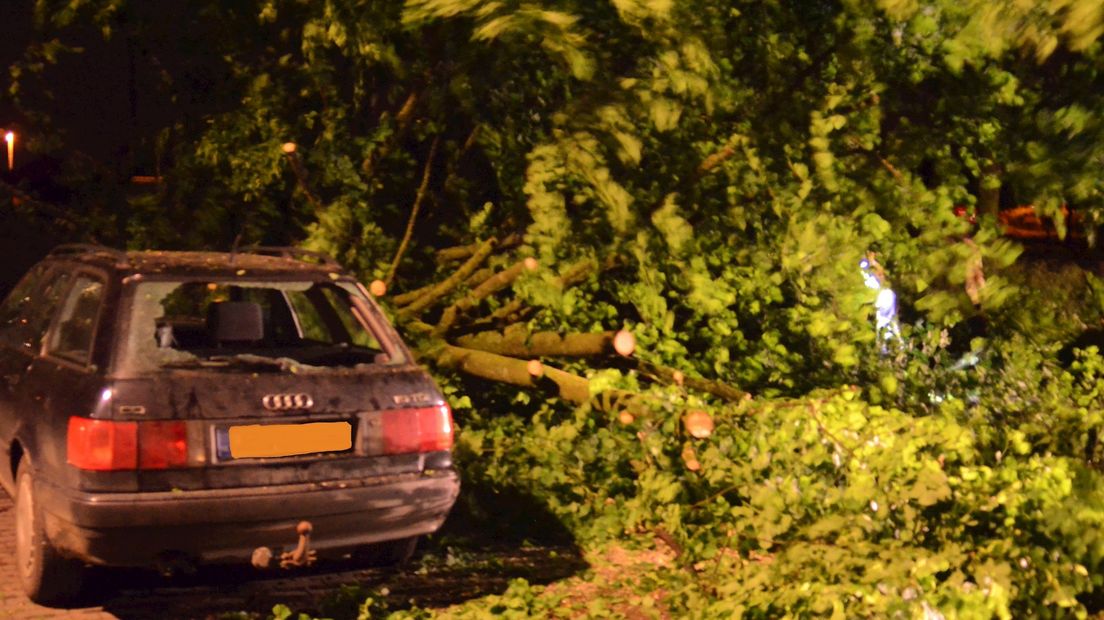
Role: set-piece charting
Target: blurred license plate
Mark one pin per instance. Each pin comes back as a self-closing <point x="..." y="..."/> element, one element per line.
<point x="270" y="440"/>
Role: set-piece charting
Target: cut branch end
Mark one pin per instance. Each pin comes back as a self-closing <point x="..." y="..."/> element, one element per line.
<point x="624" y="343"/>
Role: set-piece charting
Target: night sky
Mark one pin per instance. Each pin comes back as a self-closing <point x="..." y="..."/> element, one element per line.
<point x="15" y="20"/>
<point x="91" y="105"/>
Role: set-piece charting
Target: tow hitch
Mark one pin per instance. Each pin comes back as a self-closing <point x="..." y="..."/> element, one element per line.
<point x="303" y="555"/>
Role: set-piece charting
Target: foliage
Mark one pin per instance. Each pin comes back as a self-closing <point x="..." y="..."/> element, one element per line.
<point x="869" y="510"/>
<point x="733" y="162"/>
<point x="725" y="166"/>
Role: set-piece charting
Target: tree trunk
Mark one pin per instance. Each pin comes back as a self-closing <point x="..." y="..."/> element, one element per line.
<point x="521" y="343"/>
<point x="512" y="371"/>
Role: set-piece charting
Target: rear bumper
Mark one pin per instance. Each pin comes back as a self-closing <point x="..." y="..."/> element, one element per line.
<point x="226" y="525"/>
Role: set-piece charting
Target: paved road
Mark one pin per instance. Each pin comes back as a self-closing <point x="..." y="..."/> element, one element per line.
<point x="432" y="581"/>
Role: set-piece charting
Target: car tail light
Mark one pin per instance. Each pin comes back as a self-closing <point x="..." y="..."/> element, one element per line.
<point x="426" y="429"/>
<point x="102" y="445"/>
<point x="162" y="445"/>
<point x="107" y="445"/>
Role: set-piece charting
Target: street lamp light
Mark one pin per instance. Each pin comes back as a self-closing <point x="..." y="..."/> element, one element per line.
<point x="9" y="137"/>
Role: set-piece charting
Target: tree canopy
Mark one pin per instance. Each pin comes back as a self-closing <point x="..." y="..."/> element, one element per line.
<point x="705" y="175"/>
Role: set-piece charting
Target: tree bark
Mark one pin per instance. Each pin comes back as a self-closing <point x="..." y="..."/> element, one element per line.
<point x="304" y="183"/>
<point x="521" y="343"/>
<point x="512" y="371"/>
<point x="573" y="275"/>
<point x="461" y="252"/>
<point x="403" y="299"/>
<point x="439" y="290"/>
<point x="418" y="198"/>
<point x="488" y="287"/>
<point x="716" y="388"/>
<point x="479" y="277"/>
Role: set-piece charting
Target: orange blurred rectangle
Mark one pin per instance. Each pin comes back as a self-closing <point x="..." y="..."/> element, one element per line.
<point x="272" y="440"/>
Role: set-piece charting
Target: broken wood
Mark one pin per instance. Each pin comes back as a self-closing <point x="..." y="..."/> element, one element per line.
<point x="479" y="277"/>
<point x="540" y="344"/>
<point x="461" y="252"/>
<point x="418" y="198"/>
<point x="488" y="287"/>
<point x="302" y="180"/>
<point x="403" y="299"/>
<point x="512" y="371"/>
<point x="575" y="274"/>
<point x="673" y="376"/>
<point x="439" y="290"/>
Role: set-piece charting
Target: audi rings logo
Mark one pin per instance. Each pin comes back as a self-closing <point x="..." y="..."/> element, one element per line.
<point x="284" y="402"/>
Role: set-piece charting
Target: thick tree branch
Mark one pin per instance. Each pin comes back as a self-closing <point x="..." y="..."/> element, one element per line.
<point x="479" y="277"/>
<point x="513" y="307"/>
<point x="418" y="198"/>
<point x="472" y="281"/>
<point x="442" y="288"/>
<point x="512" y="371"/>
<point x="716" y="388"/>
<point x="301" y="176"/>
<point x="409" y="296"/>
<point x="520" y="343"/>
<point x="576" y="273"/>
<point x="488" y="287"/>
<point x="461" y="252"/>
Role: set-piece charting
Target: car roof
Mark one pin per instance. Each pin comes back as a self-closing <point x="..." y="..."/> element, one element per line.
<point x="253" y="261"/>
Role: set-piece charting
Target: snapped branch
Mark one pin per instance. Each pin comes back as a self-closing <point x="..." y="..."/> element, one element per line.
<point x="461" y="252"/>
<point x="439" y="290"/>
<point x="488" y="287"/>
<point x="301" y="178"/>
<point x="520" y="343"/>
<point x="418" y="198"/>
<point x="513" y="371"/>
<point x="716" y="388"/>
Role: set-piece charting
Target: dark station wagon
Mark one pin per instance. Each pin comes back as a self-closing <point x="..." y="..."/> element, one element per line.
<point x="168" y="409"/>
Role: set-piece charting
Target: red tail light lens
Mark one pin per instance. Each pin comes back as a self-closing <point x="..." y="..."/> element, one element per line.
<point x="427" y="429"/>
<point x="102" y="445"/>
<point x="107" y="445"/>
<point x="162" y="445"/>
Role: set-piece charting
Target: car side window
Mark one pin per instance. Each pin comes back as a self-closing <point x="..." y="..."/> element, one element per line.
<point x="76" y="324"/>
<point x="42" y="311"/>
<point x="26" y="315"/>
<point x="15" y="312"/>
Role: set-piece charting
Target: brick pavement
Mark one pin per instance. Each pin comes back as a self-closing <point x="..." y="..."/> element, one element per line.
<point x="139" y="595"/>
<point x="13" y="604"/>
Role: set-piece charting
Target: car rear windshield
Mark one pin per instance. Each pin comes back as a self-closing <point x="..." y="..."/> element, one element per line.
<point x="253" y="326"/>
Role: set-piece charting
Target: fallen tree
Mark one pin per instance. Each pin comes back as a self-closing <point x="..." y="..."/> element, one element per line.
<point x="514" y="354"/>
